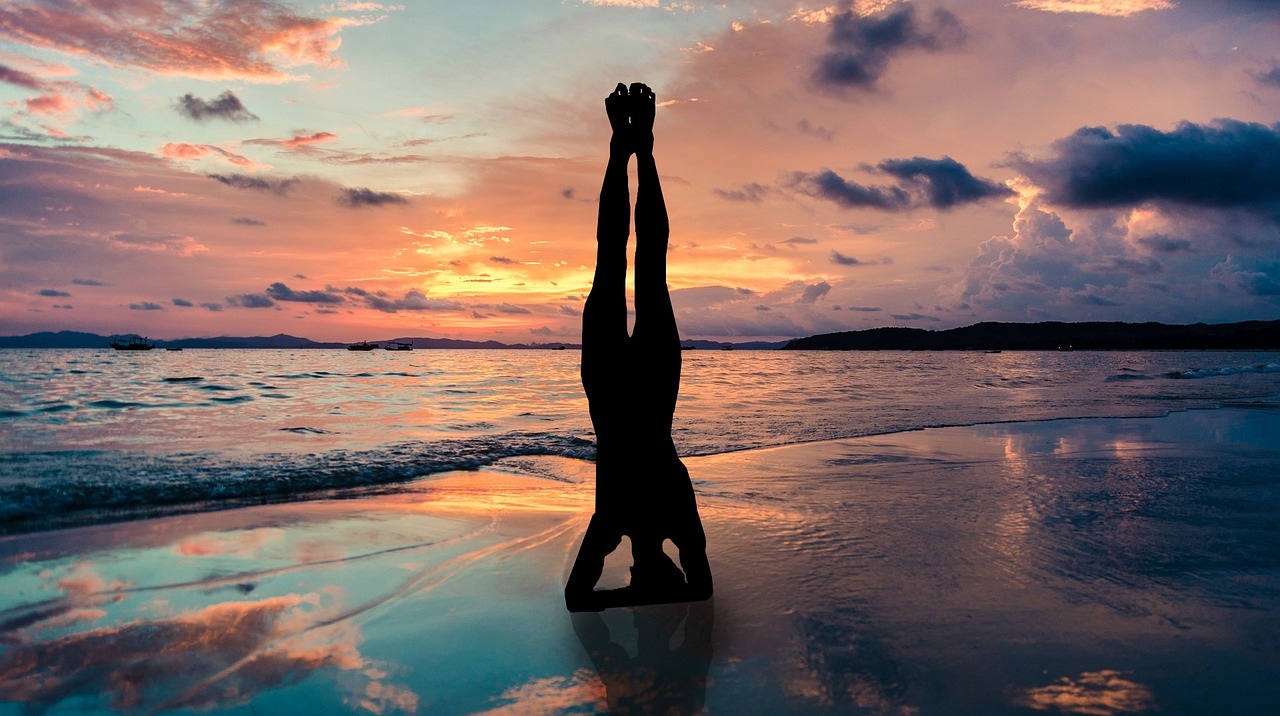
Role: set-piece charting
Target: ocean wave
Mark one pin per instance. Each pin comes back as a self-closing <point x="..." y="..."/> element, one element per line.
<point x="45" y="489"/>
<point x="1216" y="372"/>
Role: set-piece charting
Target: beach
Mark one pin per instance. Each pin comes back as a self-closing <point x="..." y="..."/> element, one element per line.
<point x="1090" y="566"/>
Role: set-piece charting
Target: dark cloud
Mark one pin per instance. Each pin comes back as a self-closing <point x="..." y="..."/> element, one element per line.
<point x="861" y="47"/>
<point x="215" y="307"/>
<point x="826" y="184"/>
<point x="1254" y="277"/>
<point x="945" y="182"/>
<point x="1224" y="164"/>
<point x="753" y="193"/>
<point x="53" y="293"/>
<point x="512" y="308"/>
<point x="88" y="282"/>
<point x="247" y="221"/>
<point x="842" y="260"/>
<point x="938" y="183"/>
<point x="224" y="106"/>
<point x="814" y="292"/>
<point x="412" y="301"/>
<point x="1165" y="244"/>
<point x="145" y="306"/>
<point x="361" y="197"/>
<point x="244" y="181"/>
<point x="281" y="292"/>
<point x="913" y="317"/>
<point x="502" y="260"/>
<point x="1270" y="78"/>
<point x="182" y="302"/>
<point x="20" y="78"/>
<point x="798" y="240"/>
<point x="250" y="300"/>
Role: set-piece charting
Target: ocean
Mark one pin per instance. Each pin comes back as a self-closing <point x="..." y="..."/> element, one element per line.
<point x="98" y="435"/>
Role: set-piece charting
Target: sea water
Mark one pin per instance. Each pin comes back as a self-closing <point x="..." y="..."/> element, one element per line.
<point x="91" y="434"/>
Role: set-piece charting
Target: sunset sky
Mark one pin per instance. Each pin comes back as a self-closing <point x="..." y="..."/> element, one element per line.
<point x="363" y="170"/>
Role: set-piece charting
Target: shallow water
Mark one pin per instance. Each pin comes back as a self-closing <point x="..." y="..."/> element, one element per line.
<point x="1100" y="567"/>
<point x="89" y="434"/>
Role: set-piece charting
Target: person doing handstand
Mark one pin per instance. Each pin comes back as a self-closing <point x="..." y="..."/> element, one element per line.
<point x="643" y="490"/>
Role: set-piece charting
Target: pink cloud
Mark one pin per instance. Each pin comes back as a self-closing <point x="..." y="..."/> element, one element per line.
<point x="191" y="152"/>
<point x="250" y="40"/>
<point x="303" y="140"/>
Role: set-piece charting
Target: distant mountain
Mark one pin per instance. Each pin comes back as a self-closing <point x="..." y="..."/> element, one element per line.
<point x="73" y="339"/>
<point x="1055" y="335"/>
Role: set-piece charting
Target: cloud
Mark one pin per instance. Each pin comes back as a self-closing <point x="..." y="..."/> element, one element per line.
<point x="53" y="293"/>
<point x="1270" y="78"/>
<point x="17" y="77"/>
<point x="843" y="260"/>
<point x="180" y="150"/>
<point x="942" y="184"/>
<point x="248" y="221"/>
<point x="299" y="140"/>
<point x="1223" y="164"/>
<point x="413" y="300"/>
<point x="813" y="293"/>
<point x="1111" y="8"/>
<point x="752" y="193"/>
<point x="1254" y="277"/>
<point x="244" y="181"/>
<point x="215" y="307"/>
<point x="145" y="306"/>
<point x="225" y="106"/>
<point x="799" y="241"/>
<point x="361" y="197"/>
<point x="945" y="183"/>
<point x="860" y="47"/>
<point x="828" y="185"/>
<point x="511" y="308"/>
<point x="249" y="300"/>
<point x="281" y="292"/>
<point x="88" y="282"/>
<point x="503" y="260"/>
<point x="253" y="40"/>
<point x="182" y="302"/>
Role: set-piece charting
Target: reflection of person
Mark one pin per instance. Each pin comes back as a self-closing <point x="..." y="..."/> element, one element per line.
<point x="643" y="491"/>
<point x="660" y="679"/>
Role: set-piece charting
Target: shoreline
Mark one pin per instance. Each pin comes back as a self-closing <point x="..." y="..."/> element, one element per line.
<point x="1005" y="568"/>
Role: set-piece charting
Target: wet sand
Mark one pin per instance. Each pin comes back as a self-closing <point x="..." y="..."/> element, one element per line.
<point x="1075" y="566"/>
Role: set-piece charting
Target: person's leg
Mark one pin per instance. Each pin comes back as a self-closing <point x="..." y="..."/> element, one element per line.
<point x="655" y="340"/>
<point x="604" y="316"/>
<point x="604" y="345"/>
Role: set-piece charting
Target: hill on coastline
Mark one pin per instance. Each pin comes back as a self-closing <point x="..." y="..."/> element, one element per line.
<point x="74" y="339"/>
<point x="1055" y="335"/>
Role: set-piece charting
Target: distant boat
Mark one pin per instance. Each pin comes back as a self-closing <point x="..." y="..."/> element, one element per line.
<point x="726" y="348"/>
<point x="557" y="348"/>
<point x="173" y="349"/>
<point x="398" y="347"/>
<point x="995" y="350"/>
<point x="132" y="343"/>
<point x="688" y="348"/>
<point x="362" y="346"/>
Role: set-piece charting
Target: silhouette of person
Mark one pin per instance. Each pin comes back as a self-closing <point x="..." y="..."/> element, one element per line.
<point x="643" y="491"/>
<point x="659" y="679"/>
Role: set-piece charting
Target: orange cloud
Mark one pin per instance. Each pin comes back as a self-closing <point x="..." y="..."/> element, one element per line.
<point x="251" y="41"/>
<point x="182" y="150"/>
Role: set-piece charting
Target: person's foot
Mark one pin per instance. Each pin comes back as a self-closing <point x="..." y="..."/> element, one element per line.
<point x="617" y="106"/>
<point x="642" y="104"/>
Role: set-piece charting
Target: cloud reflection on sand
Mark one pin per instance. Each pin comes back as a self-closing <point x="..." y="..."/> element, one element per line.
<point x="222" y="655"/>
<point x="1093" y="693"/>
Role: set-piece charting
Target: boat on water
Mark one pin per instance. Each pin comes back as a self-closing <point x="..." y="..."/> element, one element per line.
<point x="132" y="343"/>
<point x="173" y="349"/>
<point x="362" y="346"/>
<point x="398" y="346"/>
